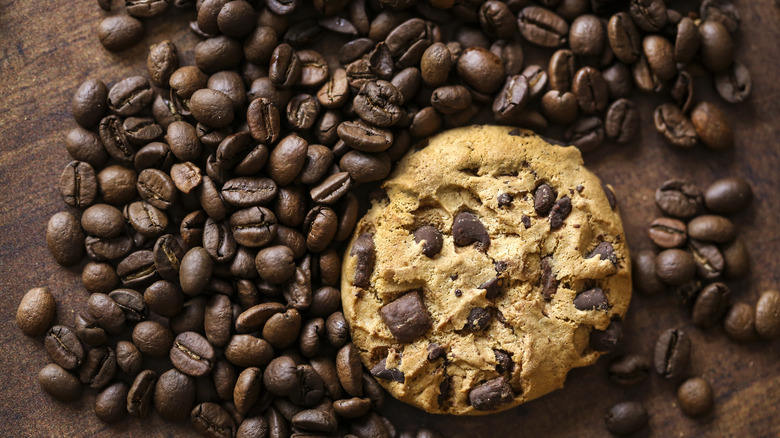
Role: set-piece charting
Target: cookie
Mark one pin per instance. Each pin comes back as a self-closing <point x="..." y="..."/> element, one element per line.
<point x="494" y="264"/>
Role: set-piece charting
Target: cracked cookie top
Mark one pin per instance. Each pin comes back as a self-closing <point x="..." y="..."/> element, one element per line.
<point x="495" y="264"/>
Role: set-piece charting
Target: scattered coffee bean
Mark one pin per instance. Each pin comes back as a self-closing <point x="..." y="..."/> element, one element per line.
<point x="740" y="322"/>
<point x="671" y="353"/>
<point x="627" y="417"/>
<point x="36" y="311"/>
<point x="695" y="397"/>
<point x="629" y="370"/>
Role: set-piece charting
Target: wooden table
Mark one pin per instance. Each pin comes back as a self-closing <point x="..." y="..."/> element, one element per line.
<point x="48" y="48"/>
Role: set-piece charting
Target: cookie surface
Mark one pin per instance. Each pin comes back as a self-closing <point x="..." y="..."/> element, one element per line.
<point x="495" y="264"/>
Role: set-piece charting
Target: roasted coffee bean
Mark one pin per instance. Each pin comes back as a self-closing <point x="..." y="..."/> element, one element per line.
<point x="99" y="277"/>
<point x="672" y="350"/>
<point x="406" y="317"/>
<point x="768" y="314"/>
<point x="624" y="38"/>
<point x="679" y="198"/>
<point x="712" y="126"/>
<point x="349" y="369"/>
<point x="192" y="354"/>
<point x="174" y="395"/>
<point x="84" y="145"/>
<point x="627" y="417"/>
<point x="660" y="56"/>
<point x="247" y="389"/>
<point x="290" y="206"/>
<point x="560" y="107"/>
<point x="644" y="276"/>
<point x="740" y="322"/>
<point x="99" y="367"/>
<point x="364" y="167"/>
<point x="728" y="195"/>
<point x="711" y="228"/>
<point x="318" y="161"/>
<point x="152" y="338"/>
<point x="644" y="78"/>
<point x="211" y="107"/>
<point x="435" y="66"/>
<point x="667" y="232"/>
<point x="682" y="91"/>
<point x="211" y="200"/>
<point x="710" y="305"/>
<point x="695" y="397"/>
<point x="542" y="27"/>
<point x="481" y="70"/>
<point x="36" y="311"/>
<point x="629" y="370"/>
<point x="378" y="103"/>
<point x="162" y="61"/>
<point x="167" y="256"/>
<point x="687" y="40"/>
<point x="621" y="123"/>
<point x="128" y="357"/>
<point x="59" y="383"/>
<point x="253" y="427"/>
<point x="364" y="137"/>
<point x="102" y="220"/>
<point x="131" y="302"/>
<point x="248" y="191"/>
<point x="219" y="242"/>
<point x="722" y="11"/>
<point x="89" y="332"/>
<point x="649" y="15"/>
<point x="89" y="103"/>
<point x="320" y="227"/>
<point x="106" y="312"/>
<point x="352" y="407"/>
<point x="130" y="96"/>
<point x="537" y="79"/>
<point x="315" y="420"/>
<point x="111" y="403"/>
<point x="210" y="419"/>
<point x="734" y="84"/>
<point x="586" y="134"/>
<point x="302" y="111"/>
<point x="450" y="99"/>
<point x="587" y="35"/>
<point x="618" y="79"/>
<point x="141" y="130"/>
<point x="64" y="347"/>
<point x="218" y="53"/>
<point x="717" y="46"/>
<point x="156" y="188"/>
<point x="287" y="159"/>
<point x="332" y="188"/>
<point x="512" y="98"/>
<point x="136" y="270"/>
<point x="281" y="376"/>
<point x="108" y="249"/>
<point x="709" y="259"/>
<point x="275" y="264"/>
<point x="590" y="90"/>
<point x="254" y="318"/>
<point x="195" y="271"/>
<point x="190" y="318"/>
<point x="562" y="67"/>
<point x="675" y="267"/>
<point x="284" y="68"/>
<point x="497" y="20"/>
<point x="491" y="395"/>
<point x="309" y="341"/>
<point x="248" y="351"/>
<point x="120" y="32"/>
<point x="736" y="259"/>
<point x="117" y="184"/>
<point x="78" y="185"/>
<point x="282" y="329"/>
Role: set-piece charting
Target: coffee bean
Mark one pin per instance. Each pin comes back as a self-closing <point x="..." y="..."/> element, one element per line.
<point x="717" y="46"/>
<point x="364" y="167"/>
<point x="89" y="103"/>
<point x="695" y="397"/>
<point x="210" y="419"/>
<point x="491" y="395"/>
<point x="102" y="220"/>
<point x="722" y="11"/>
<point x="712" y="126"/>
<point x="64" y="347"/>
<point x="111" y="403"/>
<point x="195" y="271"/>
<point x="736" y="259"/>
<point x="248" y="351"/>
<point x="481" y="70"/>
<point x="128" y="357"/>
<point x="512" y="98"/>
<point x="562" y="67"/>
<point x="211" y="107"/>
<point x="174" y="395"/>
<point x="687" y="40"/>
<point x="740" y="322"/>
<point x="728" y="195"/>
<point x="350" y="369"/>
<point x="624" y="38"/>
<point x="36" y="311"/>
<point x="59" y="383"/>
<point x="587" y="35"/>
<point x="378" y="103"/>
<point x="152" y="338"/>
<point x="768" y="314"/>
<point x="682" y="91"/>
<point x="131" y="302"/>
<point x="629" y="370"/>
<point x="99" y="367"/>
<point x="560" y="107"/>
<point x="120" y="32"/>
<point x="667" y="232"/>
<point x="711" y="228"/>
<point x="364" y="137"/>
<point x="282" y="329"/>
<point x="679" y="198"/>
<point x="709" y="259"/>
<point x="106" y="312"/>
<point x="672" y="350"/>
<point x="649" y="15"/>
<point x="710" y="305"/>
<point x="247" y="389"/>
<point x="78" y="186"/>
<point x="586" y="134"/>
<point x="675" y="267"/>
<point x="406" y="317"/>
<point x="84" y="145"/>
<point x="218" y="53"/>
<point x="659" y="53"/>
<point x="467" y="229"/>
<point x="284" y="67"/>
<point x="734" y="84"/>
<point x="141" y="130"/>
<point x="192" y="354"/>
<point x="607" y="340"/>
<point x="618" y="79"/>
<point x="352" y="407"/>
<point x="156" y="188"/>
<point x="621" y="123"/>
<point x="252" y="227"/>
<point x="450" y="99"/>
<point x="645" y="278"/>
<point x="627" y="417"/>
<point x="88" y="331"/>
<point x="672" y="124"/>
<point x="431" y="238"/>
<point x="542" y="27"/>
<point x="219" y="242"/>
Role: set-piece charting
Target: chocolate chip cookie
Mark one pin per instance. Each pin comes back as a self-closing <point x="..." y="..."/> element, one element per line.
<point x="494" y="264"/>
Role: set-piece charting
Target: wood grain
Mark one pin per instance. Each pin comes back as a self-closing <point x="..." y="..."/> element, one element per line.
<point x="48" y="48"/>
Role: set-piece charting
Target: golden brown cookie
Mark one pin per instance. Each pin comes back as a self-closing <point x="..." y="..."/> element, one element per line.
<point x="495" y="264"/>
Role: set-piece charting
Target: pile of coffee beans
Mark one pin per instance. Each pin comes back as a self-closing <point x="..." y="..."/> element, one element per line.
<point x="212" y="200"/>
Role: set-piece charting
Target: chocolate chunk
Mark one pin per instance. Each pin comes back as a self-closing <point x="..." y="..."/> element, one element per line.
<point x="505" y="363"/>
<point x="431" y="238"/>
<point x="504" y="199"/>
<point x="491" y="394"/>
<point x="434" y="351"/>
<point x="593" y="299"/>
<point x="607" y="340"/>
<point x="492" y="287"/>
<point x="406" y="317"/>
<point x="610" y="195"/>
<point x="605" y="251"/>
<point x="526" y="221"/>
<point x="560" y="212"/>
<point x="467" y="229"/>
<point x="544" y="199"/>
<point x="363" y="249"/>
<point x="445" y="390"/>
<point x="549" y="282"/>
<point x="478" y="320"/>
<point x="380" y="371"/>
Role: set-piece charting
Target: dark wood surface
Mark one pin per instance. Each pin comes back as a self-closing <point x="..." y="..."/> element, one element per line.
<point x="48" y="48"/>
